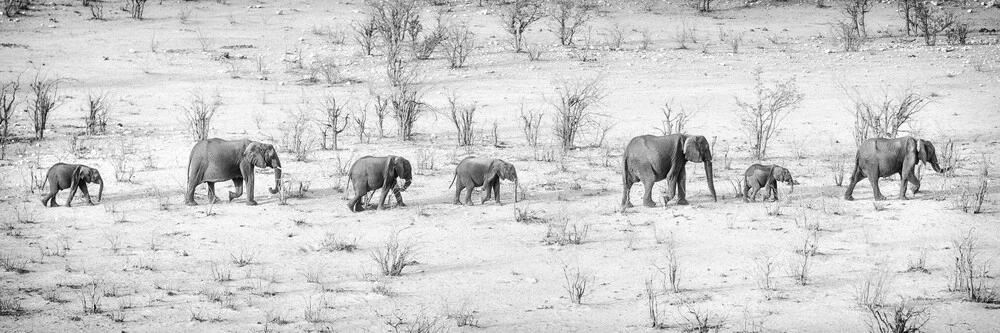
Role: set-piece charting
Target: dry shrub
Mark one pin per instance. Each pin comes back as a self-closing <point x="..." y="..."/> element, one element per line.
<point x="675" y="120"/>
<point x="569" y="16"/>
<point x="136" y="8"/>
<point x="854" y="11"/>
<point x="333" y="121"/>
<point x="364" y="34"/>
<point x="973" y="195"/>
<point x="424" y="48"/>
<point x="8" y="101"/>
<point x="901" y="317"/>
<point x="874" y="286"/>
<point x="931" y="21"/>
<point x="295" y="136"/>
<point x="574" y="107"/>
<point x="614" y="37"/>
<point x="392" y="257"/>
<point x="672" y="273"/>
<point x="534" y="51"/>
<point x="45" y="99"/>
<point x="761" y="117"/>
<point x="578" y="283"/>
<point x="735" y="41"/>
<point x="99" y="106"/>
<point x="971" y="273"/>
<point x="516" y="16"/>
<point x="882" y="115"/>
<point x="463" y="118"/>
<point x="458" y="45"/>
<point x="800" y="266"/>
<point x="199" y="111"/>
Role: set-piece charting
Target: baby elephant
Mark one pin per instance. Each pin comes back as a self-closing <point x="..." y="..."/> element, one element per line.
<point x="474" y="172"/>
<point x="766" y="176"/>
<point x="71" y="176"/>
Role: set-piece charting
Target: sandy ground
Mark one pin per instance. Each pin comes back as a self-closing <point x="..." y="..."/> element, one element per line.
<point x="152" y="258"/>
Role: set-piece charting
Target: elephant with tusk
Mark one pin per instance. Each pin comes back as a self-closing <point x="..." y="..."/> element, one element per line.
<point x="72" y="176"/>
<point x="649" y="159"/>
<point x="218" y="160"/>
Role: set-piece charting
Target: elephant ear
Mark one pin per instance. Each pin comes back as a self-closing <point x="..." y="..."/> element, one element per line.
<point x="921" y="150"/>
<point x="696" y="149"/>
<point x="75" y="179"/>
<point x="491" y="171"/>
<point x="252" y="153"/>
<point x="780" y="174"/>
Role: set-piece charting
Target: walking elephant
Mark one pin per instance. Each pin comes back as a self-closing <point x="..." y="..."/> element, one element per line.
<point x="649" y="159"/>
<point x="218" y="160"/>
<point x="877" y="158"/>
<point x="370" y="173"/>
<point x="72" y="176"/>
<point x="474" y="172"/>
<point x="765" y="176"/>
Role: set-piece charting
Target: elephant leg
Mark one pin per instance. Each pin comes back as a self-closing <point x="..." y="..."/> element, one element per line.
<point x="50" y="200"/>
<point x="753" y="196"/>
<point x="72" y="193"/>
<point x="211" y="194"/>
<point x="746" y="191"/>
<point x="671" y="186"/>
<point x="772" y="189"/>
<point x="904" y="179"/>
<point x="355" y="204"/>
<point x="399" y="197"/>
<point x="915" y="182"/>
<point x="468" y="196"/>
<point x="238" y="182"/>
<point x="875" y="190"/>
<point x="458" y="193"/>
<point x="189" y="194"/>
<point x="626" y="195"/>
<point x="249" y="180"/>
<point x="647" y="194"/>
<point x="83" y="188"/>
<point x="381" y="200"/>
<point x="855" y="178"/>
<point x="496" y="191"/>
<point x="487" y="191"/>
<point x="682" y="187"/>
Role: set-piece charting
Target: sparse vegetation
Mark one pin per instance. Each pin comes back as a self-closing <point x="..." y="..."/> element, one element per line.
<point x="458" y="44"/>
<point x="971" y="273"/>
<point x="578" y="283"/>
<point x="392" y="256"/>
<point x="516" y="16"/>
<point x="463" y="118"/>
<point x="45" y="99"/>
<point x="569" y="16"/>
<point x="675" y="121"/>
<point x="900" y="317"/>
<point x="973" y="195"/>
<point x="136" y="8"/>
<point x="295" y="135"/>
<point x="882" y="115"/>
<point x="198" y="113"/>
<point x="332" y="122"/>
<point x="760" y="118"/>
<point x="8" y="101"/>
<point x="931" y="21"/>
<point x="574" y="107"/>
<point x="99" y="106"/>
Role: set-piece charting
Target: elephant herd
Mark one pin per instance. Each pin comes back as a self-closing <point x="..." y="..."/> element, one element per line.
<point x="646" y="159"/>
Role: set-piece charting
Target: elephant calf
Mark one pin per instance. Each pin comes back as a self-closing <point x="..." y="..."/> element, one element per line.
<point x="370" y="173"/>
<point x="474" y="172"/>
<point x="72" y="176"/>
<point x="765" y="176"/>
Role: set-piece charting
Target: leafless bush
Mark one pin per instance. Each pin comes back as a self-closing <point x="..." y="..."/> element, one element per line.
<point x="800" y="266"/>
<point x="122" y="155"/>
<point x="332" y="242"/>
<point x="704" y="5"/>
<point x="45" y="93"/>
<point x="646" y="40"/>
<point x="424" y="48"/>
<point x="847" y="36"/>
<point x="462" y="116"/>
<point x="531" y="121"/>
<point x="900" y="317"/>
<point x="464" y="316"/>
<point x="534" y="51"/>
<point x="364" y="34"/>
<point x="614" y="37"/>
<point x="569" y="16"/>
<point x="698" y="319"/>
<point x="99" y="106"/>
<point x="392" y="257"/>
<point x="12" y="8"/>
<point x="407" y="107"/>
<point x="8" y="101"/>
<point x="881" y="116"/>
<point x="735" y="41"/>
<point x="671" y="273"/>
<point x="763" y="269"/>
<point x="973" y="195"/>
<point x="656" y="314"/>
<point x="602" y="125"/>
<point x="971" y="273"/>
<point x="931" y="21"/>
<point x="578" y="283"/>
<point x="516" y="16"/>
<point x="97" y="11"/>
<point x="574" y="107"/>
<point x="393" y="20"/>
<point x="957" y="35"/>
<point x="203" y="40"/>
<point x="219" y="272"/>
<point x="458" y="45"/>
<point x="675" y="121"/>
<point x="760" y="118"/>
<point x="419" y="323"/>
<point x="184" y="14"/>
<point x="332" y="34"/>
<point x="90" y="296"/>
<point x="332" y="122"/>
<point x="527" y="216"/>
<point x="296" y="138"/>
<point x="854" y="11"/>
<point x="838" y="167"/>
<point x="683" y="34"/>
<point x="14" y="263"/>
<point x="361" y="124"/>
<point x="874" y="286"/>
<point x="136" y="8"/>
<point x="199" y="111"/>
<point x="244" y="256"/>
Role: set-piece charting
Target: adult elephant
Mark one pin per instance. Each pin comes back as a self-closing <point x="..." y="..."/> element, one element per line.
<point x="877" y="158"/>
<point x="370" y="173"/>
<point x="649" y="159"/>
<point x="72" y="176"/>
<point x="474" y="172"/>
<point x="218" y="160"/>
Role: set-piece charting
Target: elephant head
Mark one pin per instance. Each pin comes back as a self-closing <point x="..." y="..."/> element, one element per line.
<point x="90" y="175"/>
<point x="506" y="171"/>
<point x="697" y="149"/>
<point x="397" y="166"/>
<point x="783" y="175"/>
<point x="926" y="154"/>
<point x="263" y="155"/>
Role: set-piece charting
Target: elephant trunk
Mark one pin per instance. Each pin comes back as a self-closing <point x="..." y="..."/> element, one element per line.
<point x="406" y="185"/>
<point x="276" y="164"/>
<point x="100" y="192"/>
<point x="711" y="179"/>
<point x="938" y="168"/>
<point x="791" y="186"/>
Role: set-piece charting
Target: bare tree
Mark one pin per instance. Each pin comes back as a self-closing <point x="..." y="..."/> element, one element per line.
<point x="517" y="15"/>
<point x="855" y="11"/>
<point x="199" y="112"/>
<point x="760" y="118"/>
<point x="361" y="123"/>
<point x="98" y="108"/>
<point x="704" y="5"/>
<point x="882" y="115"/>
<point x="458" y="45"/>
<point x="381" y="112"/>
<point x="334" y="121"/>
<point x="136" y="8"/>
<point x="393" y="20"/>
<point x="531" y="122"/>
<point x="675" y="121"/>
<point x="906" y="8"/>
<point x="8" y="100"/>
<point x="46" y="99"/>
<point x="407" y="107"/>
<point x="573" y="109"/>
<point x="569" y="16"/>
<point x="365" y="35"/>
<point x="463" y="118"/>
<point x="930" y="21"/>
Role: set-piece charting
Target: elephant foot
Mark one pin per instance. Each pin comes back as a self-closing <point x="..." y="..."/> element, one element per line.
<point x="190" y="203"/>
<point x="54" y="205"/>
<point x="629" y="205"/>
<point x="401" y="205"/>
<point x="880" y="198"/>
<point x="745" y="200"/>
<point x="849" y="198"/>
<point x="251" y="203"/>
<point x="775" y="199"/>
<point x="649" y="203"/>
<point x="903" y="197"/>
<point x="459" y="203"/>
<point x="682" y="201"/>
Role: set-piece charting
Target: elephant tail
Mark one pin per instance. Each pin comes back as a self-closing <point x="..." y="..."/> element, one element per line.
<point x="455" y="176"/>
